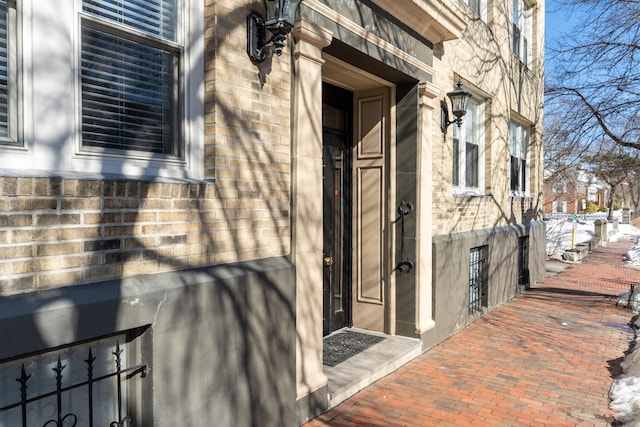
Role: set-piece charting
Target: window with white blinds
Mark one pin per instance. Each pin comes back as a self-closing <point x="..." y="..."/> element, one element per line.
<point x="154" y="17"/>
<point x="4" y="72"/>
<point x="8" y="74"/>
<point x="130" y="76"/>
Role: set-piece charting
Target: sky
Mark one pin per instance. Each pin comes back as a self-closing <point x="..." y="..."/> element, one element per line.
<point x="558" y="19"/>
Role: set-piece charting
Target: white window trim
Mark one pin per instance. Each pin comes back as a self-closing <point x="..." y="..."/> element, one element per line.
<point x="461" y="189"/>
<point x="559" y="187"/>
<point x="14" y="138"/>
<point x="483" y="9"/>
<point x="93" y="23"/>
<point x="559" y="206"/>
<point x="520" y="128"/>
<point x="51" y="105"/>
<point x="525" y="14"/>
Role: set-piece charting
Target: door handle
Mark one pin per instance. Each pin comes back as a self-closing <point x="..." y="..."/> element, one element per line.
<point x="405" y="264"/>
<point x="328" y="260"/>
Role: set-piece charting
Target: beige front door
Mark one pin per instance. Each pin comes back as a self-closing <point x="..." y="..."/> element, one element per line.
<point x="370" y="278"/>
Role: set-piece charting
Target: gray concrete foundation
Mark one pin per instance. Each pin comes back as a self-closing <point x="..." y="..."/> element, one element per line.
<point x="219" y="342"/>
<point x="451" y="273"/>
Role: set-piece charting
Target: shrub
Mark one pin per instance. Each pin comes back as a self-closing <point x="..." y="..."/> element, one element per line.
<point x="591" y="208"/>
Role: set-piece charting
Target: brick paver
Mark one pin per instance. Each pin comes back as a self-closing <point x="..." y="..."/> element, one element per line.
<point x="545" y="358"/>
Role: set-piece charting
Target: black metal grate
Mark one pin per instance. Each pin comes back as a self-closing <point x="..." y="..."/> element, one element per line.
<point x="62" y="417"/>
<point x="477" y="279"/>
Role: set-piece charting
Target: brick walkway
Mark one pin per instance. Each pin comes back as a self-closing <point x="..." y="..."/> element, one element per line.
<point x="545" y="358"/>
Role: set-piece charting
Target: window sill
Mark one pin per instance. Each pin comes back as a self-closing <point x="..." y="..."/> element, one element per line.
<point x="521" y="196"/>
<point x="522" y="63"/>
<point x="100" y="177"/>
<point x="469" y="194"/>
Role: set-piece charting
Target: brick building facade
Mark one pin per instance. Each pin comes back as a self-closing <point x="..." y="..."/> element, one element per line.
<point x="571" y="192"/>
<point x="167" y="200"/>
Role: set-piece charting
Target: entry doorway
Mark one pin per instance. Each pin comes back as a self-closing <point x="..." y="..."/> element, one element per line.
<point x="337" y="114"/>
<point x="357" y="151"/>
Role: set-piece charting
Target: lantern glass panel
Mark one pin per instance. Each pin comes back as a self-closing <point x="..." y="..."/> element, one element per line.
<point x="289" y="10"/>
<point x="272" y="8"/>
<point x="459" y="103"/>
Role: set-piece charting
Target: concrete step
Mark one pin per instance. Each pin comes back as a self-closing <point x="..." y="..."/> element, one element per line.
<point x="363" y="369"/>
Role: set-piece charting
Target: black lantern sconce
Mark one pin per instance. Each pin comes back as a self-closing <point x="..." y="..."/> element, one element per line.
<point x="280" y="15"/>
<point x="459" y="99"/>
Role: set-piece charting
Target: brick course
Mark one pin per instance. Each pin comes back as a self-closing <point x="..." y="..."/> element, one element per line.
<point x="58" y="231"/>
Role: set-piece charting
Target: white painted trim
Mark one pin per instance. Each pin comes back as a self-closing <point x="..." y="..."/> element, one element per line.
<point x="462" y="189"/>
<point x="50" y="35"/>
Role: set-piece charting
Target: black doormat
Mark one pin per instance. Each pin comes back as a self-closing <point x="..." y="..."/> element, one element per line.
<point x="339" y="347"/>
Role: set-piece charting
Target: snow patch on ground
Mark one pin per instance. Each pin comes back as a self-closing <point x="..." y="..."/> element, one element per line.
<point x="630" y="299"/>
<point x="625" y="391"/>
<point x="625" y="400"/>
<point x="559" y="233"/>
<point x="633" y="255"/>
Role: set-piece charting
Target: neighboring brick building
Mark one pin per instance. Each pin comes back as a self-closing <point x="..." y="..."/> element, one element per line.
<point x="167" y="202"/>
<point x="571" y="191"/>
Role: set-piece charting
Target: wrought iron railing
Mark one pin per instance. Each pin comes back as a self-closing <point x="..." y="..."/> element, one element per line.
<point x="70" y="419"/>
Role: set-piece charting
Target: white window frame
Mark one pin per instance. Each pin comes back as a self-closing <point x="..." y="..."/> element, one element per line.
<point x="479" y="7"/>
<point x="559" y="187"/>
<point x="13" y="136"/>
<point x="520" y="147"/>
<point x="522" y="31"/>
<point x="472" y="131"/>
<point x="52" y="100"/>
<point x="558" y="206"/>
<point x="129" y="99"/>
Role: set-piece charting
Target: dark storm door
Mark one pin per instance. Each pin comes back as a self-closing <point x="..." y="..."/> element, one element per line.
<point x="336" y="176"/>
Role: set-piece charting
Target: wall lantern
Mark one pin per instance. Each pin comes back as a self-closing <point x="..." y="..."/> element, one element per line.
<point x="279" y="18"/>
<point x="459" y="99"/>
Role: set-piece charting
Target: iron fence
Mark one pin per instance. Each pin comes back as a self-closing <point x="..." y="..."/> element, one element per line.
<point x="582" y="217"/>
<point x="70" y="419"/>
